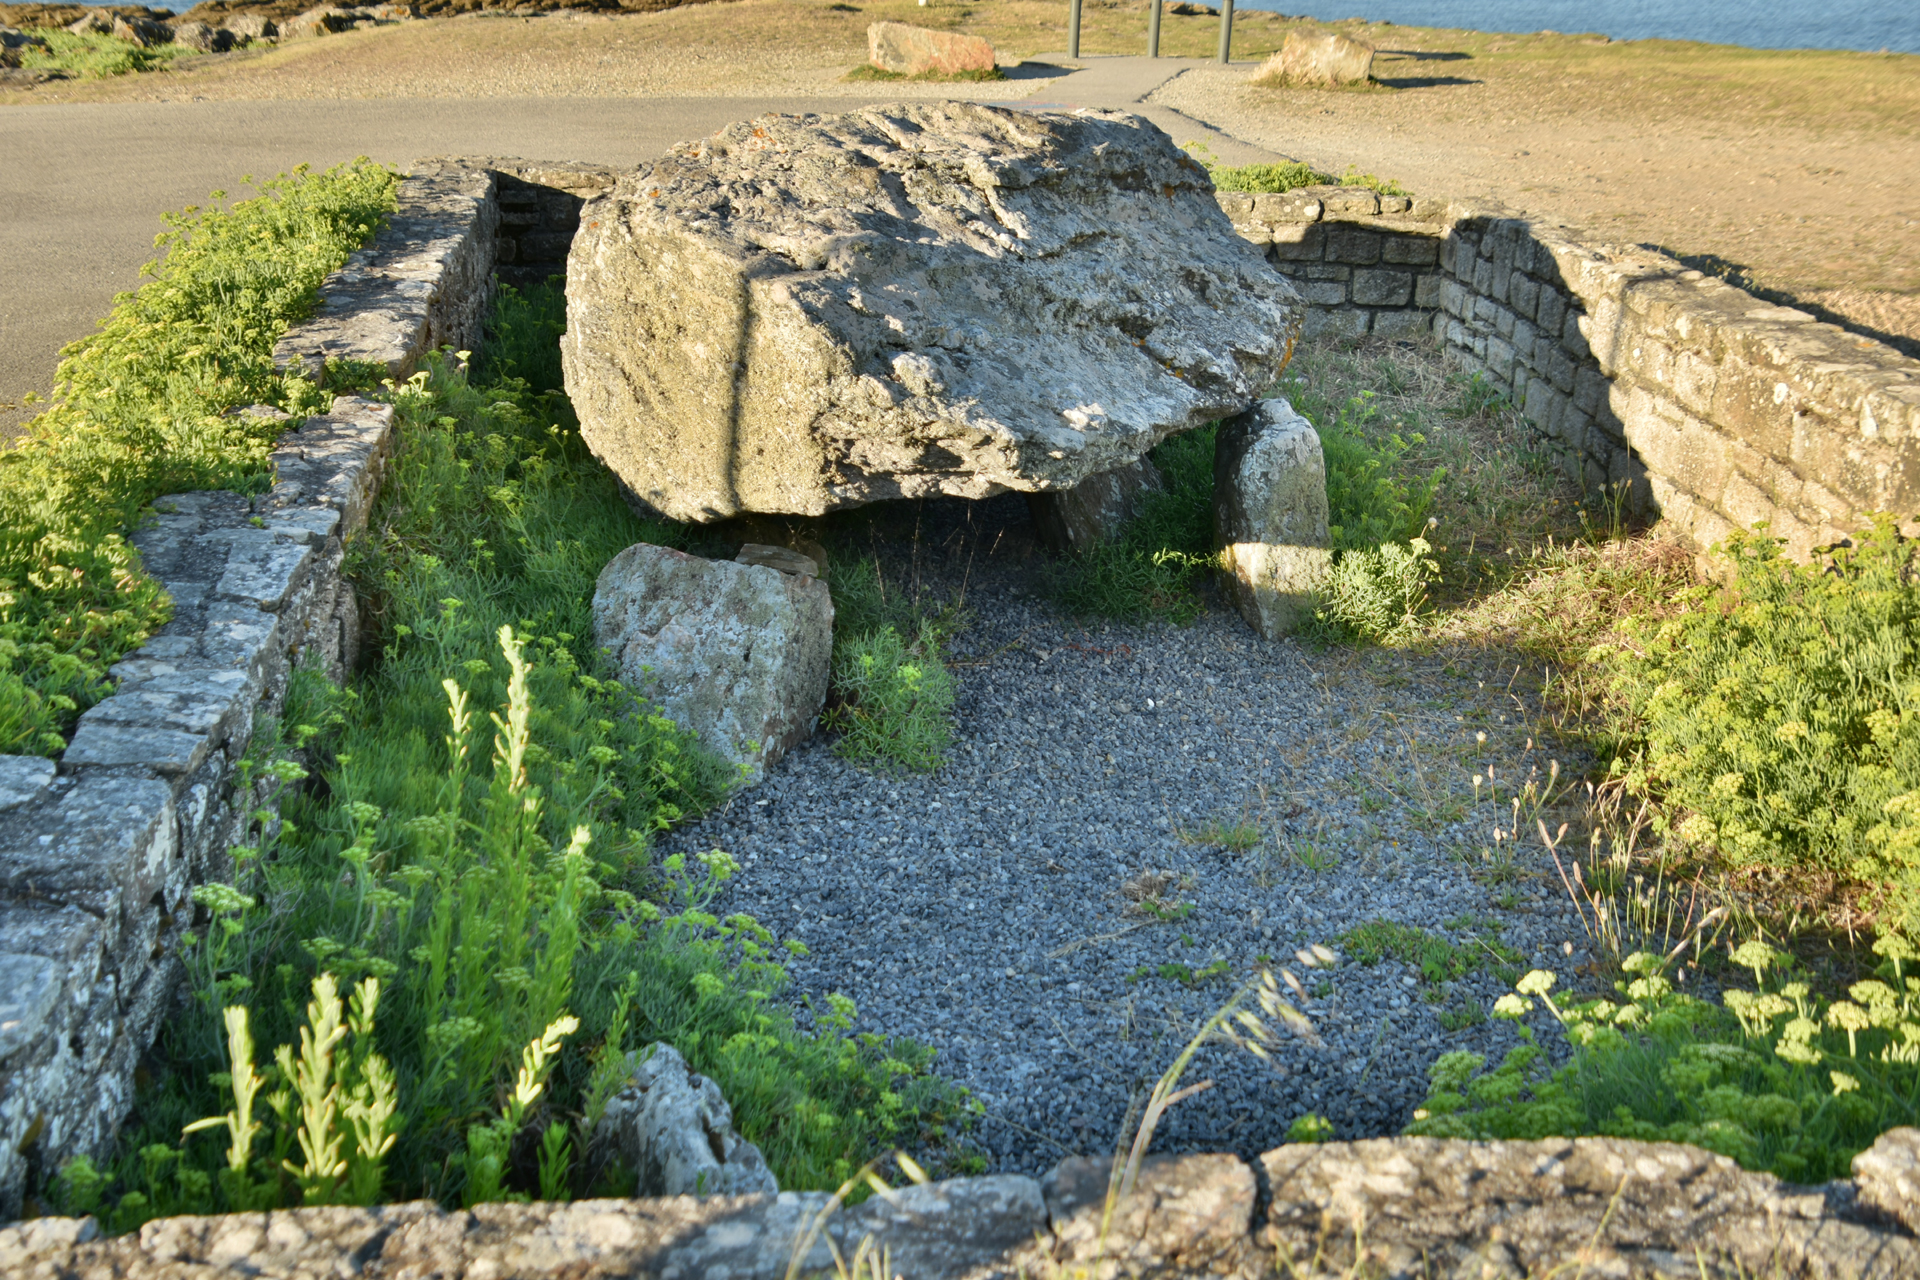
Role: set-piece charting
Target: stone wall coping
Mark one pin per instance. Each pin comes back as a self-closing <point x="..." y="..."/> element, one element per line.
<point x="1407" y="1206"/>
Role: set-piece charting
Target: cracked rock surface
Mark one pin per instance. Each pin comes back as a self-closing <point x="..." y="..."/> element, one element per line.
<point x="804" y="313"/>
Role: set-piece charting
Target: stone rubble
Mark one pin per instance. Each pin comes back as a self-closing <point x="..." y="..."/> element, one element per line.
<point x="736" y="654"/>
<point x="806" y="313"/>
<point x="1270" y="515"/>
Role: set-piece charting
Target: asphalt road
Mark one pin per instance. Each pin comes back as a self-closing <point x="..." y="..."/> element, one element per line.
<point x="82" y="186"/>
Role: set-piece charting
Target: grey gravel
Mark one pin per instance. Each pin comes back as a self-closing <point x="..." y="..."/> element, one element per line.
<point x="979" y="909"/>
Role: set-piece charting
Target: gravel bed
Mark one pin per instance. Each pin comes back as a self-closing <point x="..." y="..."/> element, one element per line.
<point x="981" y="908"/>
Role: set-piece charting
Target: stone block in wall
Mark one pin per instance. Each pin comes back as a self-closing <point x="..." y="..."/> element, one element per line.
<point x="1188" y="1216"/>
<point x="1322" y="293"/>
<point x="1523" y="294"/>
<point x="1304" y="243"/>
<point x="1410" y="250"/>
<point x="1355" y="245"/>
<point x="1427" y="289"/>
<point x="1483" y="272"/>
<point x="1503" y="322"/>
<point x="1344" y="322"/>
<point x="1455" y="300"/>
<point x="1323" y="271"/>
<point x="1589" y="389"/>
<point x="1500" y="358"/>
<point x="1379" y="288"/>
<point x="1400" y="324"/>
<point x="1349" y="201"/>
<point x="1550" y="310"/>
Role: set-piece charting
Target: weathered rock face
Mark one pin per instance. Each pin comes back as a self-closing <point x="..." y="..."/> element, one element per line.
<point x="1270" y="514"/>
<point x="200" y="36"/>
<point x="805" y="313"/>
<point x="144" y="32"/>
<point x="909" y="50"/>
<point x="1318" y="58"/>
<point x="675" y="1131"/>
<point x="736" y="654"/>
<point x="1077" y="519"/>
<point x="1888" y="1175"/>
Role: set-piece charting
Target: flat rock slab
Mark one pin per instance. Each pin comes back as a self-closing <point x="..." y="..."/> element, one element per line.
<point x="811" y="312"/>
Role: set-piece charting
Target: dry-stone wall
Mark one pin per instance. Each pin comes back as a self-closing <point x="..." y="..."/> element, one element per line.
<point x="1709" y="406"/>
<point x="100" y="853"/>
<point x="1394" y="1207"/>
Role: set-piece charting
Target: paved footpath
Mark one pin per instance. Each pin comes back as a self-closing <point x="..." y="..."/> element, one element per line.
<point x="84" y="185"/>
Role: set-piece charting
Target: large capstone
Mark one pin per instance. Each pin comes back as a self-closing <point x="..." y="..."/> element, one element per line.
<point x="811" y="312"/>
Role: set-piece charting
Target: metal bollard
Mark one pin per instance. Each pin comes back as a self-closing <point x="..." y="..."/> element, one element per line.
<point x="1226" y="31"/>
<point x="1073" y="29"/>
<point x="1153" y="31"/>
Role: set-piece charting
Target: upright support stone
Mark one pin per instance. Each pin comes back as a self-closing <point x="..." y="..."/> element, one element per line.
<point x="1076" y="520"/>
<point x="1270" y="514"/>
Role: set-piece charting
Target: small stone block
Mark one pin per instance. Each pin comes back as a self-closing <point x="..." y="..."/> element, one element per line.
<point x="29" y="988"/>
<point x="162" y="750"/>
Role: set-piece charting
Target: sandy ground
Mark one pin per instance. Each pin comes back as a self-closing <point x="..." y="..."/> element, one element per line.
<point x="1827" y="215"/>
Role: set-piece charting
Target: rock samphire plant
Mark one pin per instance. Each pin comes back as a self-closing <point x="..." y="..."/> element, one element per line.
<point x="140" y="410"/>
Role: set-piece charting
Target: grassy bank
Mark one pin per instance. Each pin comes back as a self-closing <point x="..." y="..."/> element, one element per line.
<point x="139" y="411"/>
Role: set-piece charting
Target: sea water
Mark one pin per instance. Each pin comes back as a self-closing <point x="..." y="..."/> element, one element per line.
<point x="1869" y="25"/>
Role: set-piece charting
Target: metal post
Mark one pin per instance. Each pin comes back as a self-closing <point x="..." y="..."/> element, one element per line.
<point x="1226" y="32"/>
<point x="1153" y="31"/>
<point x="1073" y="29"/>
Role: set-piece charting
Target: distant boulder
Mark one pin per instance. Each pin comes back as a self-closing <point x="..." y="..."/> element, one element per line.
<point x="202" y="38"/>
<point x="912" y="51"/>
<point x="1318" y="57"/>
<point x="144" y="32"/>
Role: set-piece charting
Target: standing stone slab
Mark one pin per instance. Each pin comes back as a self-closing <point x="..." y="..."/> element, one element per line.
<point x="736" y="654"/>
<point x="1270" y="515"/>
<point x="807" y="313"/>
<point x="674" y="1129"/>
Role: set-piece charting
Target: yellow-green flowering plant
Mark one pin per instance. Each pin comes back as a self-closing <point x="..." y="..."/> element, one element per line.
<point x="1778" y="1077"/>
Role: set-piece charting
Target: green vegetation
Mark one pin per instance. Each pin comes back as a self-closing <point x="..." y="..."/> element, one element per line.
<point x="95" y="57"/>
<point x="139" y="413"/>
<point x="1291" y="176"/>
<point x="1778" y="1079"/>
<point x="494" y="878"/>
<point x="892" y="696"/>
<point x="1152" y="567"/>
<point x="1778" y="717"/>
<point x="1436" y="958"/>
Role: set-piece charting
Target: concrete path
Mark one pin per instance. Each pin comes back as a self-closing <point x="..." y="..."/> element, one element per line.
<point x="83" y="186"/>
